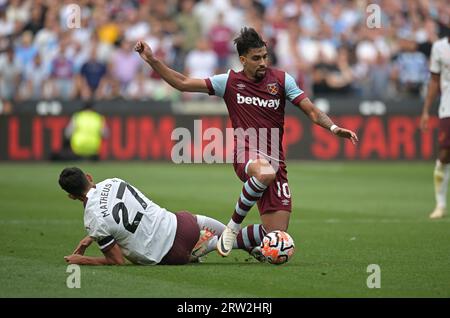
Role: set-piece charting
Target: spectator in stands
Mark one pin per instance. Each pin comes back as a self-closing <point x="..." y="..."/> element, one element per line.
<point x="36" y="21"/>
<point x="235" y="14"/>
<point x="25" y="51"/>
<point x="141" y="87"/>
<point x="62" y="76"/>
<point x="427" y="37"/>
<point x="110" y="88"/>
<point x="47" y="39"/>
<point x="136" y="26"/>
<point x="108" y="30"/>
<point x="220" y="37"/>
<point x="84" y="33"/>
<point x="410" y="68"/>
<point x="18" y="12"/>
<point x="189" y="30"/>
<point x="323" y="26"/>
<point x="124" y="64"/>
<point x="202" y="62"/>
<point x="332" y="76"/>
<point x="10" y="75"/>
<point x="92" y="76"/>
<point x="6" y="26"/>
<point x="77" y="53"/>
<point x="36" y="79"/>
<point x="157" y="88"/>
<point x="207" y="13"/>
<point x="377" y="85"/>
<point x="288" y="55"/>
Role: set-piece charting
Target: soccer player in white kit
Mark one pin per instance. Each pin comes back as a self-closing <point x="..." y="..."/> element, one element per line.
<point x="126" y="224"/>
<point x="440" y="80"/>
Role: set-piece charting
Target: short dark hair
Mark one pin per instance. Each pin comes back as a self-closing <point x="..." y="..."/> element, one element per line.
<point x="248" y="39"/>
<point x="73" y="181"/>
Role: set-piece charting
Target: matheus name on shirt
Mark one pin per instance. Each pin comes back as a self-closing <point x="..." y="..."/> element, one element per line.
<point x="104" y="199"/>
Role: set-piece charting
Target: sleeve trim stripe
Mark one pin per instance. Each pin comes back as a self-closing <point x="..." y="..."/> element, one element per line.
<point x="106" y="242"/>
<point x="102" y="247"/>
<point x="299" y="98"/>
<point x="210" y="86"/>
<point x="108" y="247"/>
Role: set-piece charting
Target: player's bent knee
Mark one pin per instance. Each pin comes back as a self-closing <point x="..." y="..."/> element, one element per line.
<point x="265" y="172"/>
<point x="266" y="177"/>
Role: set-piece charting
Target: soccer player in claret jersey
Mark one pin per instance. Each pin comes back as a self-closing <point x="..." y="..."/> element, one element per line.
<point x="255" y="98"/>
<point x="126" y="224"/>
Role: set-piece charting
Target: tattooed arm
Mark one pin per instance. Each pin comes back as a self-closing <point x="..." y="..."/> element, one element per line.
<point x="321" y="119"/>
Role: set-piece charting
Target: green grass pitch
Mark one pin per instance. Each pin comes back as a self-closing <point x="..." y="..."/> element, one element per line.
<point x="346" y="215"/>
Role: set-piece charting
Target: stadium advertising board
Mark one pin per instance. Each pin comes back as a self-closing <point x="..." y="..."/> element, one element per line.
<point x="145" y="131"/>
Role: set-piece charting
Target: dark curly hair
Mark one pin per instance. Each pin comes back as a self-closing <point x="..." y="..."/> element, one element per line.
<point x="248" y="39"/>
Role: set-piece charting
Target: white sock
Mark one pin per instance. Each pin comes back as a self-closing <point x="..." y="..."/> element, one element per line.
<point x="441" y="176"/>
<point x="213" y="225"/>
<point x="234" y="226"/>
<point x="212" y="244"/>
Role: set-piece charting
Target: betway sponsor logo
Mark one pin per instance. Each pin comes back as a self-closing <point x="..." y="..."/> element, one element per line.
<point x="256" y="101"/>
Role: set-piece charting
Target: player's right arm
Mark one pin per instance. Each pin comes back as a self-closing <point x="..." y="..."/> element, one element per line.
<point x="322" y="119"/>
<point x="113" y="256"/>
<point x="83" y="245"/>
<point x="433" y="91"/>
<point x="173" y="78"/>
<point x="298" y="98"/>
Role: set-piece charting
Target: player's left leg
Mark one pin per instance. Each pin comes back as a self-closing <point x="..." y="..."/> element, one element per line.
<point x="211" y="229"/>
<point x="441" y="173"/>
<point x="260" y="176"/>
<point x="250" y="238"/>
<point x="276" y="204"/>
<point x="441" y="178"/>
<point x="278" y="220"/>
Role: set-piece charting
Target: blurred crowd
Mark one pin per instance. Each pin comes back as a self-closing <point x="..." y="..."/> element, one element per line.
<point x="326" y="45"/>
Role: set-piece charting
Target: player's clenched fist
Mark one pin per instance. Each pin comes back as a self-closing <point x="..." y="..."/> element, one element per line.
<point x="144" y="50"/>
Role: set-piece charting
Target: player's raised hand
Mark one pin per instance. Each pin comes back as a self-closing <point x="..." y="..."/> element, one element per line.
<point x="144" y="50"/>
<point x="345" y="133"/>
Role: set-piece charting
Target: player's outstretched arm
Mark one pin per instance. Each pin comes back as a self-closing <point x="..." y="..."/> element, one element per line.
<point x="83" y="245"/>
<point x="321" y="119"/>
<point x="173" y="78"/>
<point x="433" y="91"/>
<point x="113" y="256"/>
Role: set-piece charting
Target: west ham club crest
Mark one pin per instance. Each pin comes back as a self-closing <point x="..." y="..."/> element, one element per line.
<point x="272" y="88"/>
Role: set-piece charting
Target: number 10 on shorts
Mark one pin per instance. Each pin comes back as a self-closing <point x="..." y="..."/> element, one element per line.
<point x="283" y="188"/>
